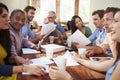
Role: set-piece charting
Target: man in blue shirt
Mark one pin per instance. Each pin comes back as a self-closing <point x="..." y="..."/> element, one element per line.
<point x="99" y="34"/>
<point x="59" y="31"/>
<point x="26" y="31"/>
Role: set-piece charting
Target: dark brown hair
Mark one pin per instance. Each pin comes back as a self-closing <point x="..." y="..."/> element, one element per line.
<point x="99" y="12"/>
<point x="112" y="9"/>
<point x="27" y="8"/>
<point x="72" y="23"/>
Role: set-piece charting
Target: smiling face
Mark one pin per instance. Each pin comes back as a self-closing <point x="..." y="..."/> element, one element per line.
<point x="30" y="14"/>
<point x="17" y="20"/>
<point x="108" y="19"/>
<point x="97" y="21"/>
<point x="4" y="19"/>
<point x="78" y="23"/>
<point x="115" y="29"/>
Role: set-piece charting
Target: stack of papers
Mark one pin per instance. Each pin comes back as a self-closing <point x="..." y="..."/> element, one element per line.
<point x="47" y="29"/>
<point x="79" y="37"/>
<point x="29" y="51"/>
<point x="70" y="61"/>
<point x="55" y="47"/>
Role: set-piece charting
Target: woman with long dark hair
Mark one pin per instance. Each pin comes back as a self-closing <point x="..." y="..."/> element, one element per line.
<point x="77" y="23"/>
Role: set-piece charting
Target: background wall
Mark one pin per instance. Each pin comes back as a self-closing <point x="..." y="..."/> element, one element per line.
<point x="14" y="4"/>
<point x="101" y="4"/>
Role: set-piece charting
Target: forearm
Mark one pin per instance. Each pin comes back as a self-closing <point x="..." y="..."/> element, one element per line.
<point x="96" y="65"/>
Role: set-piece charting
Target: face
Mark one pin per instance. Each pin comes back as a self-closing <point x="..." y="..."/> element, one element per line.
<point x="30" y="15"/>
<point x="108" y="19"/>
<point x="115" y="29"/>
<point x="78" y="23"/>
<point x="4" y="19"/>
<point x="97" y="21"/>
<point x="17" y="20"/>
<point x="51" y="17"/>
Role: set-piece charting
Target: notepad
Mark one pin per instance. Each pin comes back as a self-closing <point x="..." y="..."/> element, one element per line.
<point x="29" y="51"/>
<point x="55" y="47"/>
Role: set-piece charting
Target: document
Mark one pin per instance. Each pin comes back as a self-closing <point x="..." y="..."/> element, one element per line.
<point x="29" y="51"/>
<point x="43" y="61"/>
<point x="69" y="60"/>
<point x="47" y="29"/>
<point x="79" y="37"/>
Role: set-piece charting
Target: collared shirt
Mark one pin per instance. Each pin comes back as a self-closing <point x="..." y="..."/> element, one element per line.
<point x="27" y="32"/>
<point x="109" y="45"/>
<point x="18" y="42"/>
<point x="98" y="35"/>
<point x="111" y="70"/>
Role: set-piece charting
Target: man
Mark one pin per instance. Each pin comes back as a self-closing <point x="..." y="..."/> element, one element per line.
<point x="105" y="46"/>
<point x="17" y="20"/>
<point x="100" y="33"/>
<point x="26" y="31"/>
<point x="59" y="29"/>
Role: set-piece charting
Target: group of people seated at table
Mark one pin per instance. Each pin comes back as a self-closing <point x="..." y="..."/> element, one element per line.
<point x="15" y="33"/>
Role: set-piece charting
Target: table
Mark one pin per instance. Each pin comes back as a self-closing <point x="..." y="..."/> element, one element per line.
<point x="77" y="72"/>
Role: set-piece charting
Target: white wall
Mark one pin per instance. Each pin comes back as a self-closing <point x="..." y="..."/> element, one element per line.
<point x="101" y="4"/>
<point x="14" y="4"/>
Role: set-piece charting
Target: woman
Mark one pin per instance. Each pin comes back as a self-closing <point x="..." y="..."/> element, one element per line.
<point x="7" y="71"/>
<point x="77" y="23"/>
<point x="114" y="72"/>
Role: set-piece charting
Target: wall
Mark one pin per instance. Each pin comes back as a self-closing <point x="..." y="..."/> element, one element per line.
<point x="101" y="4"/>
<point x="14" y="4"/>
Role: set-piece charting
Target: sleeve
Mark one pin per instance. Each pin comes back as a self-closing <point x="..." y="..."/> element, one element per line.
<point x="93" y="37"/>
<point x="27" y="43"/>
<point x="88" y="32"/>
<point x="6" y="70"/>
<point x="31" y="33"/>
<point x="13" y="48"/>
<point x="60" y="28"/>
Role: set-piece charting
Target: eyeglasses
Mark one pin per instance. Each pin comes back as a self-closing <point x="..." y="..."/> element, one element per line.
<point x="51" y="17"/>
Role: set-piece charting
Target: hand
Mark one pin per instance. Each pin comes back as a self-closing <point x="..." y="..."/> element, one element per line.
<point x="75" y="44"/>
<point x="75" y="56"/>
<point x="89" y="52"/>
<point x="35" y="69"/>
<point x="56" y="74"/>
<point x="36" y="47"/>
<point x="21" y="60"/>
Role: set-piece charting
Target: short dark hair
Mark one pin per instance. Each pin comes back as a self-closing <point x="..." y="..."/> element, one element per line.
<point x="3" y="6"/>
<point x="112" y="9"/>
<point x="27" y="8"/>
<point x="15" y="11"/>
<point x="99" y="12"/>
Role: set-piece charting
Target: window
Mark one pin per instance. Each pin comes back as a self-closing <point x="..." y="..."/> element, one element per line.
<point x="66" y="10"/>
<point x="84" y="10"/>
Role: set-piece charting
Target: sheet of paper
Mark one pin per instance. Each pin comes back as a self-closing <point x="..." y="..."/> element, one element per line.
<point x="29" y="51"/>
<point x="79" y="37"/>
<point x="43" y="61"/>
<point x="70" y="61"/>
<point x="47" y="29"/>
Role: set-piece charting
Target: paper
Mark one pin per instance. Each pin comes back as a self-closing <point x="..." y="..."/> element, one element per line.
<point x="80" y="38"/>
<point x="47" y="29"/>
<point x="69" y="60"/>
<point x="29" y="51"/>
<point x="43" y="61"/>
<point x="55" y="47"/>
